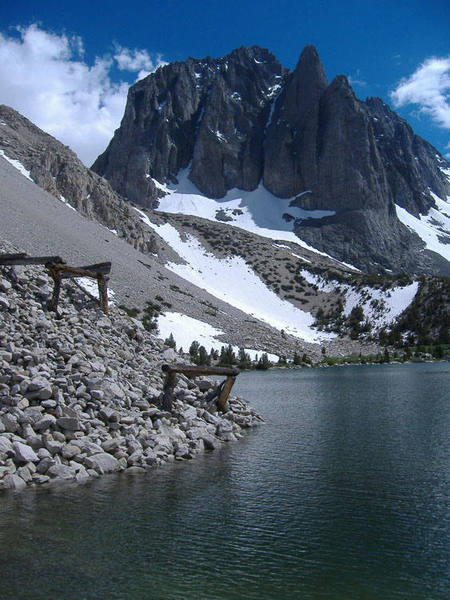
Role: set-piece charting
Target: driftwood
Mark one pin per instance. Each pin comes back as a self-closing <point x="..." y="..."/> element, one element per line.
<point x="191" y="370"/>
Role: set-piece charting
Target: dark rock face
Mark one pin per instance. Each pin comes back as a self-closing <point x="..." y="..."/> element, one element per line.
<point x="408" y="160"/>
<point x="241" y="119"/>
<point x="56" y="169"/>
<point x="290" y="165"/>
<point x="209" y="113"/>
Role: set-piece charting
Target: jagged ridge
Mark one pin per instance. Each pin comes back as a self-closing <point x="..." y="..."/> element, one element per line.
<point x="241" y="119"/>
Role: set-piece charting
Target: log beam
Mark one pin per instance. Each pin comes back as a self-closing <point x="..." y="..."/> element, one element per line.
<point x="10" y="260"/>
<point x="194" y="370"/>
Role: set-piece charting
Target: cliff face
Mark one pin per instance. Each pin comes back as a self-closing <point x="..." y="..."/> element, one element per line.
<point x="207" y="113"/>
<point x="243" y="119"/>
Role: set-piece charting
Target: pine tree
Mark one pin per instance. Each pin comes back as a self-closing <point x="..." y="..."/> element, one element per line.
<point x="170" y="341"/>
<point x="193" y="350"/>
<point x="244" y="360"/>
<point x="227" y="356"/>
<point x="263" y="363"/>
<point x="203" y="358"/>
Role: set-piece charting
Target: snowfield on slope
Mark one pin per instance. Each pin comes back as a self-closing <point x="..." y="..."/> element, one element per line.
<point x="234" y="282"/>
<point x="186" y="329"/>
<point x="433" y="228"/>
<point x="381" y="307"/>
<point x="258" y="212"/>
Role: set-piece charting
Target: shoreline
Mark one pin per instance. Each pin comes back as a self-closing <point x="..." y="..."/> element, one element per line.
<point x="80" y="392"/>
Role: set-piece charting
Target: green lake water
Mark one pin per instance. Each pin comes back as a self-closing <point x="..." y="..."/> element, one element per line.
<point x="342" y="494"/>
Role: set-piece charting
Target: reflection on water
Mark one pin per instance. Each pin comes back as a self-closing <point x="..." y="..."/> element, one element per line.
<point x="341" y="495"/>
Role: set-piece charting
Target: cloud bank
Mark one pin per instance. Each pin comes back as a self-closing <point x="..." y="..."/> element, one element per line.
<point x="46" y="78"/>
<point x="429" y="87"/>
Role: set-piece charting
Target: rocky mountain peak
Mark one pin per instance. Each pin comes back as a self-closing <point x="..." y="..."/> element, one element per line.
<point x="243" y="119"/>
<point x="209" y="113"/>
<point x="310" y="69"/>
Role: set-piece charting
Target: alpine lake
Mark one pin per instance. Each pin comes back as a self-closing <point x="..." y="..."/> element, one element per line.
<point x="341" y="494"/>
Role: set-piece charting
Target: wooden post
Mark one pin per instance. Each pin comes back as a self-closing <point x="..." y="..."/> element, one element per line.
<point x="103" y="292"/>
<point x="56" y="276"/>
<point x="169" y="385"/>
<point x="225" y="392"/>
<point x="193" y="370"/>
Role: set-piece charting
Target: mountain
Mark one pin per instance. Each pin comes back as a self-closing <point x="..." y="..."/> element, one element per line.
<point x="58" y="170"/>
<point x="244" y="123"/>
<point x="159" y="287"/>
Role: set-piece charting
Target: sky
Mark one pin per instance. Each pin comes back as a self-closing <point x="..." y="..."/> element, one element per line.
<point x="67" y="65"/>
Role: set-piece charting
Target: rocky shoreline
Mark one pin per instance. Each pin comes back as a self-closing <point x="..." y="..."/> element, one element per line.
<point x="79" y="391"/>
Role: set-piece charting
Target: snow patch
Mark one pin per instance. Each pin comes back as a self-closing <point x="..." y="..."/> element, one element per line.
<point x="91" y="287"/>
<point x="219" y="135"/>
<point x="160" y="186"/>
<point x="18" y="165"/>
<point x="64" y="201"/>
<point x="273" y="90"/>
<point x="380" y="307"/>
<point x="234" y="282"/>
<point x="186" y="330"/>
<point x="258" y="211"/>
<point x="433" y="228"/>
<point x="300" y="257"/>
<point x="292" y="253"/>
<point x="144" y="217"/>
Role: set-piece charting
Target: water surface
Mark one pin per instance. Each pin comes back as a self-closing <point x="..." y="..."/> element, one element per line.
<point x="342" y="494"/>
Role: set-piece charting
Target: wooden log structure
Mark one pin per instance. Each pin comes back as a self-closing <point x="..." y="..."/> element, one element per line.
<point x="58" y="271"/>
<point x="194" y="371"/>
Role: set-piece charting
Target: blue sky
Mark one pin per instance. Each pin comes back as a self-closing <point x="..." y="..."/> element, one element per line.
<point x="71" y="62"/>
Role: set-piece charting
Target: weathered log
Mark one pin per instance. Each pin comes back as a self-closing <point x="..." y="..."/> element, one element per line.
<point x="169" y="386"/>
<point x="194" y="370"/>
<point x="225" y="392"/>
<point x="88" y="271"/>
<point x="9" y="260"/>
<point x="103" y="292"/>
<point x="58" y="272"/>
<point x="200" y="370"/>
<point x="56" y="276"/>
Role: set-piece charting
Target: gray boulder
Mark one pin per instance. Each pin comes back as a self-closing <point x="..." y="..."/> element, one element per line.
<point x="102" y="463"/>
<point x="25" y="453"/>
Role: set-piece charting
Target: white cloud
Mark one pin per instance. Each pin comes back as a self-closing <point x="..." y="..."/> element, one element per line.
<point x="137" y="61"/>
<point x="45" y="77"/>
<point x="429" y="87"/>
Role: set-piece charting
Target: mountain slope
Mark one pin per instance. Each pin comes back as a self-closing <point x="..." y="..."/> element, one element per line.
<point x="40" y="224"/>
<point x="242" y="122"/>
<point x="57" y="169"/>
<point x="253" y="284"/>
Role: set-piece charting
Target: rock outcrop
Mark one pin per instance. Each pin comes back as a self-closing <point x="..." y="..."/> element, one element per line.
<point x="56" y="169"/>
<point x="243" y="119"/>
